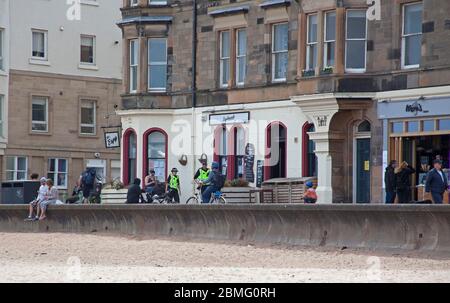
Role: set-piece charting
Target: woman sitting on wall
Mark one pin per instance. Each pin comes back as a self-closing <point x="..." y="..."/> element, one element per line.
<point x="50" y="198"/>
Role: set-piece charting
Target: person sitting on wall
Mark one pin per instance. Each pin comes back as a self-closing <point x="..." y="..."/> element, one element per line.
<point x="50" y="198"/>
<point x="150" y="182"/>
<point x="390" y="182"/>
<point x="173" y="186"/>
<point x="202" y="175"/>
<point x="134" y="192"/>
<point x="310" y="196"/>
<point x="403" y="181"/>
<point x="34" y="205"/>
<point x="437" y="182"/>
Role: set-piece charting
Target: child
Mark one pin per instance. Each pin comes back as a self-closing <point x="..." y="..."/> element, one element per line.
<point x="310" y="196"/>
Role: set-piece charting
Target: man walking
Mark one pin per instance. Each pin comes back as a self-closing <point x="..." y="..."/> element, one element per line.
<point x="437" y="182"/>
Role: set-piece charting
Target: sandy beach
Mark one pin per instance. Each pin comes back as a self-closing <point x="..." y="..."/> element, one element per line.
<point x="105" y="258"/>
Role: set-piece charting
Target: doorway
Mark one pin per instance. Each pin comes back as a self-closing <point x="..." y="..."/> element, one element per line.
<point x="361" y="163"/>
<point x="276" y="141"/>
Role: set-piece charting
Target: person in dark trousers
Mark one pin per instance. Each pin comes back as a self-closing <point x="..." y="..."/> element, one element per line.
<point x="134" y="192"/>
<point x="437" y="182"/>
<point x="202" y="175"/>
<point x="390" y="182"/>
<point x="213" y="181"/>
<point x="403" y="181"/>
<point x="173" y="186"/>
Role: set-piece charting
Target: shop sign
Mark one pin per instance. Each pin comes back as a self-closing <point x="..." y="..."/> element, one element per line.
<point x="229" y="118"/>
<point x="414" y="108"/>
<point x="112" y="139"/>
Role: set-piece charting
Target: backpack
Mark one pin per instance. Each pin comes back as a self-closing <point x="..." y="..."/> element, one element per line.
<point x="219" y="180"/>
<point x="88" y="177"/>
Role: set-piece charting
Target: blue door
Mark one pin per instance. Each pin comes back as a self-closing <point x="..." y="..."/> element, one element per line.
<point x="363" y="170"/>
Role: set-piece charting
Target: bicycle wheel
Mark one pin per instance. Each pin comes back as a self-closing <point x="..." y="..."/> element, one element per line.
<point x="192" y="200"/>
<point x="221" y="200"/>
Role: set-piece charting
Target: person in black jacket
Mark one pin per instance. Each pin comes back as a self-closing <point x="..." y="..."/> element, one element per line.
<point x="437" y="182"/>
<point x="403" y="181"/>
<point x="390" y="182"/>
<point x="134" y="192"/>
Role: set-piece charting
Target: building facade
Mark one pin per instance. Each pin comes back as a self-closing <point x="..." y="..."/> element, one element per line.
<point x="296" y="87"/>
<point x="64" y="82"/>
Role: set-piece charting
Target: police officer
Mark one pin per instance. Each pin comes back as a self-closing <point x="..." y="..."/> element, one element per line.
<point x="173" y="186"/>
<point x="202" y="175"/>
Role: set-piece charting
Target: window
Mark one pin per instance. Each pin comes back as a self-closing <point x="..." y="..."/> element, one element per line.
<point x="364" y="127"/>
<point x="311" y="47"/>
<point x="87" y="117"/>
<point x="157" y="64"/>
<point x="223" y="149"/>
<point x="87" y="50"/>
<point x="356" y="41"/>
<point x="156" y="154"/>
<point x="1" y="115"/>
<point x="39" y="45"/>
<point x="1" y="49"/>
<point x="329" y="39"/>
<point x="239" y="152"/>
<point x="134" y="57"/>
<point x="224" y="58"/>
<point x="16" y="168"/>
<point x="241" y="56"/>
<point x="428" y="125"/>
<point x="444" y="124"/>
<point x="279" y="52"/>
<point x="413" y="126"/>
<point x="397" y="127"/>
<point x="412" y="35"/>
<point x="115" y="170"/>
<point x="129" y="156"/>
<point x="134" y="2"/>
<point x="57" y="171"/>
<point x="39" y="115"/>
<point x="157" y="2"/>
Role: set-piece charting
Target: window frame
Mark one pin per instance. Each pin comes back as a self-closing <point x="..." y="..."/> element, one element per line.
<point x="81" y="125"/>
<point x="240" y="57"/>
<point x="355" y="70"/>
<point x="45" y="32"/>
<point x="327" y="42"/>
<point x="94" y="46"/>
<point x="156" y="63"/>
<point x="131" y="80"/>
<point x="222" y="59"/>
<point x="160" y="2"/>
<point x="57" y="172"/>
<point x="46" y="115"/>
<point x="310" y="45"/>
<point x="404" y="36"/>
<point x="15" y="170"/>
<point x="274" y="53"/>
<point x="148" y="157"/>
<point x="134" y="3"/>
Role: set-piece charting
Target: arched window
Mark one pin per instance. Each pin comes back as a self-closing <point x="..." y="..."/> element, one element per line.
<point x="309" y="159"/>
<point x="276" y="151"/>
<point x="129" y="156"/>
<point x="155" y="153"/>
<point x="364" y="127"/>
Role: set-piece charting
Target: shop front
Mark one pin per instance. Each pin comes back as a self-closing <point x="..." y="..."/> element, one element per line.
<point x="416" y="130"/>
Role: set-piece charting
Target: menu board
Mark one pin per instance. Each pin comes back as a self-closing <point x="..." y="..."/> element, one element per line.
<point x="259" y="173"/>
<point x="249" y="162"/>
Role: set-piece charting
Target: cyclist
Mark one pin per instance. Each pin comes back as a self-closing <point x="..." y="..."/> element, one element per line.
<point x="215" y="181"/>
<point x="173" y="186"/>
<point x="201" y="176"/>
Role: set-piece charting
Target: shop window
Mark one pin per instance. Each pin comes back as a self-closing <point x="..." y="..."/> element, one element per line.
<point x="155" y="153"/>
<point x="57" y="171"/>
<point x="412" y="35"/>
<point x="129" y="156"/>
<point x="428" y="125"/>
<point x="444" y="124"/>
<point x="356" y="41"/>
<point x="397" y="127"/>
<point x="413" y="126"/>
<point x="309" y="159"/>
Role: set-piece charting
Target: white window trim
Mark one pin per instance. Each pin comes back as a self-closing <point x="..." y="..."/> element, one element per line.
<point x="94" y="126"/>
<point x="355" y="70"/>
<point x="134" y="3"/>
<point x="160" y="2"/>
<point x="56" y="172"/>
<point x="326" y="42"/>
<point x="40" y="122"/>
<point x="136" y="65"/>
<point x="309" y="45"/>
<point x="45" y="32"/>
<point x="156" y="63"/>
<point x="244" y="57"/>
<point x="94" y="47"/>
<point x="15" y="169"/>
<point x="277" y="52"/>
<point x="222" y="59"/>
<point x="403" y="59"/>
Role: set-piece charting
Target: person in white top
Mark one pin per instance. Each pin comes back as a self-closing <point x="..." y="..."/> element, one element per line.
<point x="34" y="205"/>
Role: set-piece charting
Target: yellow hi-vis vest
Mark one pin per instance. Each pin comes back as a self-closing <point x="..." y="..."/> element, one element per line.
<point x="174" y="181"/>
<point x="203" y="174"/>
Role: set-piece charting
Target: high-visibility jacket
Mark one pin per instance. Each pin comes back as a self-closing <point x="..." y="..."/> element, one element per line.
<point x="174" y="182"/>
<point x="203" y="174"/>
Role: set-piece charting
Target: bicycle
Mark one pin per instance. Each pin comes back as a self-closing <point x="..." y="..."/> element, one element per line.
<point x="216" y="198"/>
